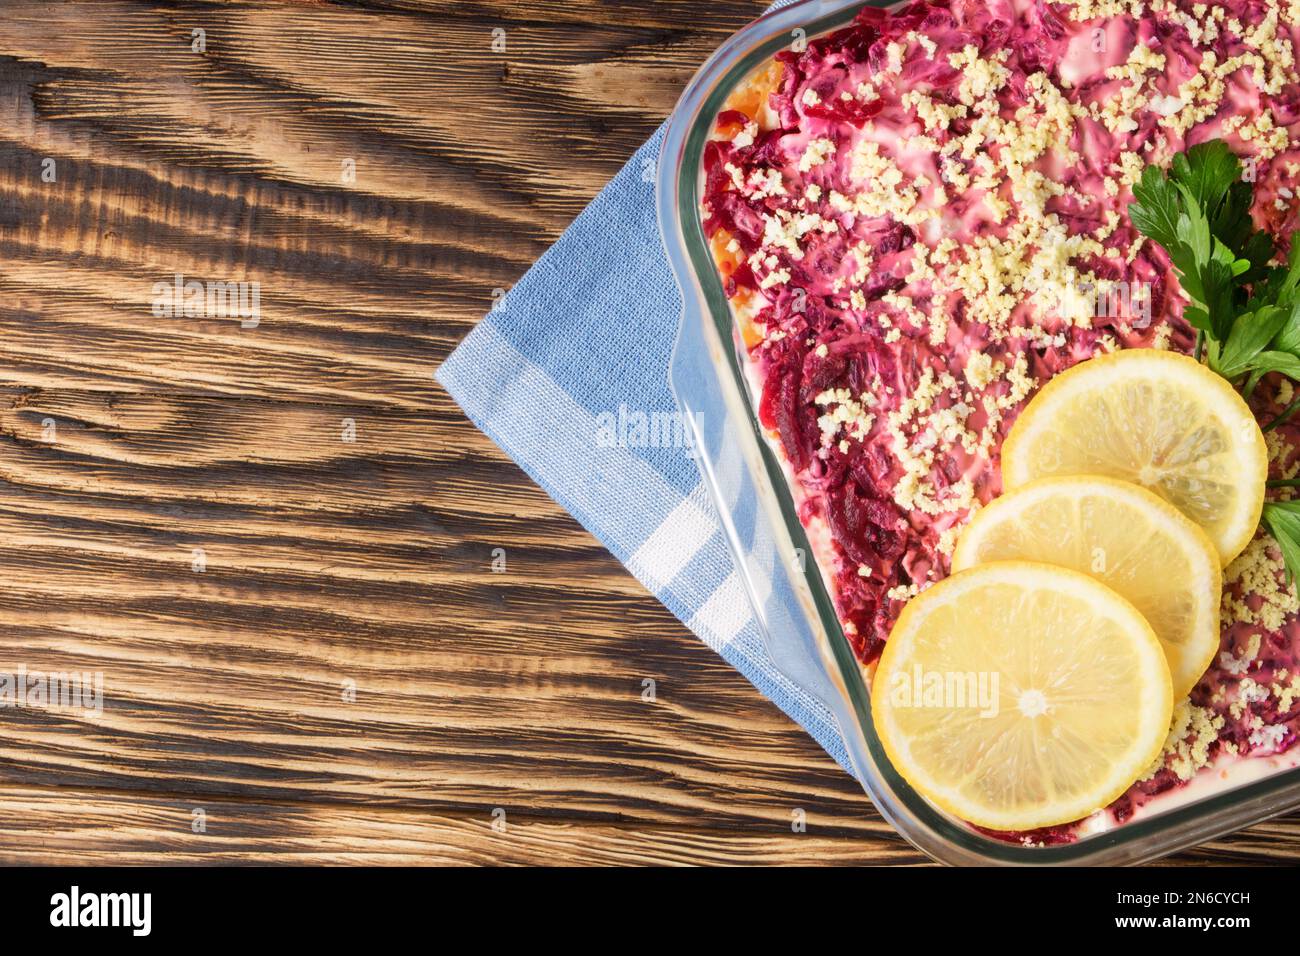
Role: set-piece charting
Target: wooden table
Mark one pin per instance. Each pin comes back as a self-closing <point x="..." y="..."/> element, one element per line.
<point x="274" y="538"/>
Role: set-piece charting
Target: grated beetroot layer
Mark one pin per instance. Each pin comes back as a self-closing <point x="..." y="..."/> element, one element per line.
<point x="813" y="339"/>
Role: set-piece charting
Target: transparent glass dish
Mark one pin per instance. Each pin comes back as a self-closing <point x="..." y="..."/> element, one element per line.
<point x="748" y="486"/>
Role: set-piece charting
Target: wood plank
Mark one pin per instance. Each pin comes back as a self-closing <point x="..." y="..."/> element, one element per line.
<point x="113" y="828"/>
<point x="129" y="440"/>
<point x="106" y="827"/>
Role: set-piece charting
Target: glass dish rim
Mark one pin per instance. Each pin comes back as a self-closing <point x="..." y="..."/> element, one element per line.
<point x="935" y="833"/>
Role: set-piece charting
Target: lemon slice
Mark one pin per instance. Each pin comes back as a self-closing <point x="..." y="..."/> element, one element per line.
<point x="1078" y="709"/>
<point x="1158" y="419"/>
<point x="1135" y="543"/>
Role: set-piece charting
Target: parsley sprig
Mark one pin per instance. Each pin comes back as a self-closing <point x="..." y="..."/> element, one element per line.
<point x="1245" y="310"/>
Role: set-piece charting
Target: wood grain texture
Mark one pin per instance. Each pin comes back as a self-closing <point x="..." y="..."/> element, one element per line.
<point x="134" y="446"/>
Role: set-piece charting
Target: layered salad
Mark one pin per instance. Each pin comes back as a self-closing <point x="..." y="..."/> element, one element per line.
<point x="922" y="219"/>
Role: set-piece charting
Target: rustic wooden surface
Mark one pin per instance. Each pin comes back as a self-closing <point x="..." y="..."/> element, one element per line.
<point x="128" y="441"/>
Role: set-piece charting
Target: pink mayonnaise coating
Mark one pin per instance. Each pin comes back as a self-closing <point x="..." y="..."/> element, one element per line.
<point x="926" y="220"/>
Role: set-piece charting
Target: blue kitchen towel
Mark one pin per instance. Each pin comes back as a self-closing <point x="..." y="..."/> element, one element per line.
<point x="576" y="354"/>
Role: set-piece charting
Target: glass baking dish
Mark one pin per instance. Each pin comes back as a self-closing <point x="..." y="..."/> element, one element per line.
<point x="748" y="486"/>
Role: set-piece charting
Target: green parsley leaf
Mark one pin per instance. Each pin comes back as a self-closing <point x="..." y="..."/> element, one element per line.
<point x="1215" y="288"/>
<point x="1282" y="519"/>
<point x="1281" y="286"/>
<point x="1208" y="172"/>
<point x="1257" y="249"/>
<point x="1288" y="337"/>
<point x="1284" y="362"/>
<point x="1250" y="335"/>
<point x="1156" y="208"/>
